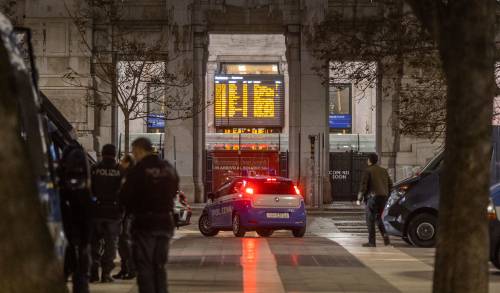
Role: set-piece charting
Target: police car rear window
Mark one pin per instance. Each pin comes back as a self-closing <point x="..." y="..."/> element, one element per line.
<point x="272" y="187"/>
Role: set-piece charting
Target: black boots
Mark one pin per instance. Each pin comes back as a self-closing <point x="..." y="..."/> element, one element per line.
<point x="124" y="275"/>
<point x="106" y="278"/>
<point x="387" y="241"/>
<point x="120" y="275"/>
<point x="94" y="275"/>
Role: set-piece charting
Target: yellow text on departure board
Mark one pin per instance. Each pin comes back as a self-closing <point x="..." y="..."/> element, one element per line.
<point x="263" y="104"/>
<point x="220" y="99"/>
<point x="233" y="100"/>
<point x="238" y="102"/>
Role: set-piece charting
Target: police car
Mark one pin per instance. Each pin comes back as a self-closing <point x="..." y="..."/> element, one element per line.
<point x="262" y="204"/>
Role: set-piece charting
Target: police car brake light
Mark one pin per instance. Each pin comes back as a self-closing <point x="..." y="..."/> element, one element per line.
<point x="271" y="179"/>
<point x="297" y="190"/>
<point x="249" y="190"/>
<point x="492" y="215"/>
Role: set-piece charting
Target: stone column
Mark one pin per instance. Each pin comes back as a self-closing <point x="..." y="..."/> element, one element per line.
<point x="294" y="108"/>
<point x="313" y="121"/>
<point x="209" y="96"/>
<point x="200" y="58"/>
<point x="387" y="108"/>
<point x="181" y="136"/>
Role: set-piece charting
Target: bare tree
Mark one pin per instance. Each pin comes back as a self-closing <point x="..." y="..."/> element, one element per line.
<point x="402" y="50"/>
<point x="465" y="33"/>
<point x="129" y="72"/>
<point x="445" y="55"/>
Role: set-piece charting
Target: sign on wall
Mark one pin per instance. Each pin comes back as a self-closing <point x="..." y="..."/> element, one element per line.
<point x="340" y="121"/>
<point x="340" y="108"/>
<point x="249" y="101"/>
<point x="156" y="121"/>
<point x="228" y="164"/>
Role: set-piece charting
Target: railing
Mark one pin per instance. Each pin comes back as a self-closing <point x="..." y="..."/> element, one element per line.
<point x="157" y="139"/>
<point x="364" y="143"/>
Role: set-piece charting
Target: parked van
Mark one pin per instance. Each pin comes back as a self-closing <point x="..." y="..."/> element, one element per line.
<point x="412" y="209"/>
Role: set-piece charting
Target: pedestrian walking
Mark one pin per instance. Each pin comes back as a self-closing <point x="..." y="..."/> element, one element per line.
<point x="148" y="194"/>
<point x="127" y="270"/>
<point x="76" y="202"/>
<point x="374" y="190"/>
<point x="106" y="183"/>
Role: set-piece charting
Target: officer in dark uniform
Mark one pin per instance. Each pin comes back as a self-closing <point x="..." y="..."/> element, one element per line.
<point x="106" y="182"/>
<point x="148" y="194"/>
<point x="76" y="203"/>
<point x="127" y="270"/>
<point x="374" y="190"/>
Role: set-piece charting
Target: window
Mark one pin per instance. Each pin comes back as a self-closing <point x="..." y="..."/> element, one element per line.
<point x="225" y="188"/>
<point x="340" y="109"/>
<point x="272" y="187"/>
<point x="249" y="68"/>
<point x="156" y="108"/>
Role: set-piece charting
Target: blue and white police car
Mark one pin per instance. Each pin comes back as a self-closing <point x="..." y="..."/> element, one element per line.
<point x="261" y="203"/>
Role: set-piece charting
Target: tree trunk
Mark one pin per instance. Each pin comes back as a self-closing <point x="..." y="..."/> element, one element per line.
<point x="126" y="122"/>
<point x="27" y="259"/>
<point x="467" y="52"/>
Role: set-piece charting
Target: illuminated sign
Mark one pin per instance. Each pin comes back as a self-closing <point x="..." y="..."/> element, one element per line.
<point x="156" y="121"/>
<point x="249" y="130"/>
<point x="340" y="121"/>
<point x="249" y="101"/>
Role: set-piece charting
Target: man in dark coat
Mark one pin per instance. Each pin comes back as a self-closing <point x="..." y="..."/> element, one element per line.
<point x="148" y="194"/>
<point x="127" y="270"/>
<point x="76" y="203"/>
<point x="374" y="190"/>
<point x="106" y="183"/>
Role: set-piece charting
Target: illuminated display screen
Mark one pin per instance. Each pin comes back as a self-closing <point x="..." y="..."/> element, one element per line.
<point x="249" y="101"/>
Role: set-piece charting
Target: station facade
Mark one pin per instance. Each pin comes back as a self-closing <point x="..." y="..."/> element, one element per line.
<point x="265" y="108"/>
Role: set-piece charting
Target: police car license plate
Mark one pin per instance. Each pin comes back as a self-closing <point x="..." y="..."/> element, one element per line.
<point x="277" y="215"/>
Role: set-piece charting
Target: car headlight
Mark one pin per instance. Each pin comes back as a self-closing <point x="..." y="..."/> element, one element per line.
<point x="402" y="189"/>
<point x="392" y="199"/>
<point x="398" y="193"/>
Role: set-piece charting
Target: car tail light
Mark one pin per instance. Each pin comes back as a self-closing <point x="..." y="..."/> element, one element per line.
<point x="492" y="214"/>
<point x="271" y="179"/>
<point x="297" y="190"/>
<point x="249" y="190"/>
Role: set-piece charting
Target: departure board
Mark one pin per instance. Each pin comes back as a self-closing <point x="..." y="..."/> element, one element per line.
<point x="249" y="101"/>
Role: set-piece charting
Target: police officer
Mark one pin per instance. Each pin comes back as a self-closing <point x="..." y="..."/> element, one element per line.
<point x="76" y="202"/>
<point x="106" y="182"/>
<point x="148" y="194"/>
<point x="127" y="270"/>
<point x="374" y="190"/>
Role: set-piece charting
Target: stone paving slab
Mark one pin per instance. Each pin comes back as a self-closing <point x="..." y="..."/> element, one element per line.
<point x="319" y="263"/>
<point x="326" y="260"/>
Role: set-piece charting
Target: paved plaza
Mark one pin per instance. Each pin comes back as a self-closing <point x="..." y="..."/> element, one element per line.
<point x="328" y="259"/>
